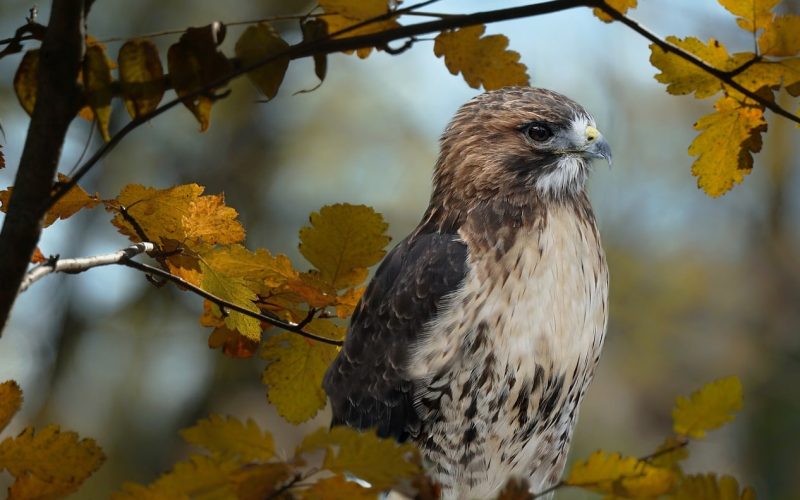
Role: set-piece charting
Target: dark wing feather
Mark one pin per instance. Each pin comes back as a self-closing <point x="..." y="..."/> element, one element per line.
<point x="366" y="383"/>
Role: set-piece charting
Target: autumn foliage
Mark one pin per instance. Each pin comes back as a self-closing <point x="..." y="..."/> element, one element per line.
<point x="293" y="314"/>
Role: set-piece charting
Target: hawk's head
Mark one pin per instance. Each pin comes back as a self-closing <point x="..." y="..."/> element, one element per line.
<point x="518" y="141"/>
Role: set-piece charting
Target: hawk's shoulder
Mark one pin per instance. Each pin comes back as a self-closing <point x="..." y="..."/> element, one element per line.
<point x="367" y="384"/>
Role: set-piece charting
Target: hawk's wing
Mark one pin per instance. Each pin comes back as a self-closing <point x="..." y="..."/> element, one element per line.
<point x="367" y="383"/>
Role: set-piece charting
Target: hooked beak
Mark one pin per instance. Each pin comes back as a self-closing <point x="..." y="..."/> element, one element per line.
<point x="596" y="145"/>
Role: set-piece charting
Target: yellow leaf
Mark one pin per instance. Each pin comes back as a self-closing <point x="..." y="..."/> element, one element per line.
<point x="482" y="60"/>
<point x="707" y="487"/>
<point x="51" y="455"/>
<point x="753" y="14"/>
<point x="258" y="43"/>
<point x="683" y="77"/>
<point x="179" y="213"/>
<point x="232" y="290"/>
<point x="380" y="462"/>
<point x="782" y="37"/>
<point x="312" y="289"/>
<point x="231" y="439"/>
<point x="326" y="328"/>
<point x="97" y="80"/>
<point x="141" y="76"/>
<point x="199" y="478"/>
<point x="294" y="375"/>
<point x="343" y="241"/>
<point x="10" y="402"/>
<point x="69" y="204"/>
<point x="724" y="145"/>
<point x="708" y="408"/>
<point x="613" y="474"/>
<point x="259" y="270"/>
<point x="342" y="14"/>
<point x="25" y="80"/>
<point x="258" y="482"/>
<point x="620" y="6"/>
<point x="31" y="487"/>
<point x="338" y="488"/>
<point x="771" y="74"/>
<point x="194" y="63"/>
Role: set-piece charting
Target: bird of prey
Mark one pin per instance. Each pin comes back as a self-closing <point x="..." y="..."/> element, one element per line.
<point x="480" y="331"/>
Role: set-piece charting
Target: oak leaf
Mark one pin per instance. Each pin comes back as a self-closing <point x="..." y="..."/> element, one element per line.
<point x="781" y="37"/>
<point x="707" y="408"/>
<point x="195" y="62"/>
<point x="482" y="60"/>
<point x="26" y="80"/>
<point x="343" y="241"/>
<point x="234" y="290"/>
<point x="725" y="145"/>
<point x="198" y="478"/>
<point x="621" y="6"/>
<point x="97" y="81"/>
<point x="258" y="43"/>
<point x="613" y="474"/>
<point x="380" y="462"/>
<point x="179" y="213"/>
<point x="141" y="76"/>
<point x="294" y="375"/>
<point x="342" y="14"/>
<point x="10" y="402"/>
<point x="338" y="488"/>
<point x="708" y="487"/>
<point x="231" y="439"/>
<point x="54" y="457"/>
<point x="753" y="14"/>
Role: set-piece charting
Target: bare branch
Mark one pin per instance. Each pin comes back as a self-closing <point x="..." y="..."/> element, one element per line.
<point x="81" y="264"/>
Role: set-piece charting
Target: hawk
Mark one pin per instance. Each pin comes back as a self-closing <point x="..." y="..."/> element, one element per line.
<point x="480" y="331"/>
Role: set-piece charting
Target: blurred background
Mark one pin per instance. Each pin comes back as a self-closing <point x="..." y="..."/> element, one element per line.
<point x="701" y="288"/>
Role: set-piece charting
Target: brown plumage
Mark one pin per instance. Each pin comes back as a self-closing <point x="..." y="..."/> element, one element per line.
<point x="480" y="331"/>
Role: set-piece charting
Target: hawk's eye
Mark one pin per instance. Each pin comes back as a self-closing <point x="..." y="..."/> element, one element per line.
<point x="539" y="132"/>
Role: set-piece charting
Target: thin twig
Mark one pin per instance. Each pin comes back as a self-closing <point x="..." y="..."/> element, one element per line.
<point x="80" y="264"/>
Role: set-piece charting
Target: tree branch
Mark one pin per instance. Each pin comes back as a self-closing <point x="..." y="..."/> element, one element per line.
<point x="125" y="256"/>
<point x="57" y="102"/>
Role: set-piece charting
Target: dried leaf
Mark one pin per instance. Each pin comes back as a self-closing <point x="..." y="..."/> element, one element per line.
<point x="782" y="37"/>
<point x="231" y="439"/>
<point x="342" y="14"/>
<point x="707" y="487"/>
<point x="725" y="145"/>
<point x="343" y="241"/>
<point x="25" y="80"/>
<point x="232" y="343"/>
<point x="612" y="474"/>
<point x="141" y="76"/>
<point x="294" y="375"/>
<point x="381" y="462"/>
<point x="482" y="60"/>
<point x="338" y="488"/>
<point x="179" y="213"/>
<point x="97" y="81"/>
<point x="194" y="63"/>
<point x="258" y="43"/>
<point x="621" y="6"/>
<point x="708" y="408"/>
<point x="52" y="456"/>
<point x="69" y="204"/>
<point x="10" y="402"/>
<point x="346" y="302"/>
<point x="313" y="30"/>
<point x="38" y="257"/>
<point x="753" y="14"/>
<point x="233" y="290"/>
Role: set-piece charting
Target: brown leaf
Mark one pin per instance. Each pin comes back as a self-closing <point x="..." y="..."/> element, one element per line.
<point x="10" y="402"/>
<point x="258" y="43"/>
<point x="257" y="482"/>
<point x="69" y="204"/>
<point x="194" y="63"/>
<point x="38" y="257"/>
<point x="97" y="81"/>
<point x="2" y="158"/>
<point x="141" y="76"/>
<point x="313" y="30"/>
<point x="233" y="343"/>
<point x="25" y="80"/>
